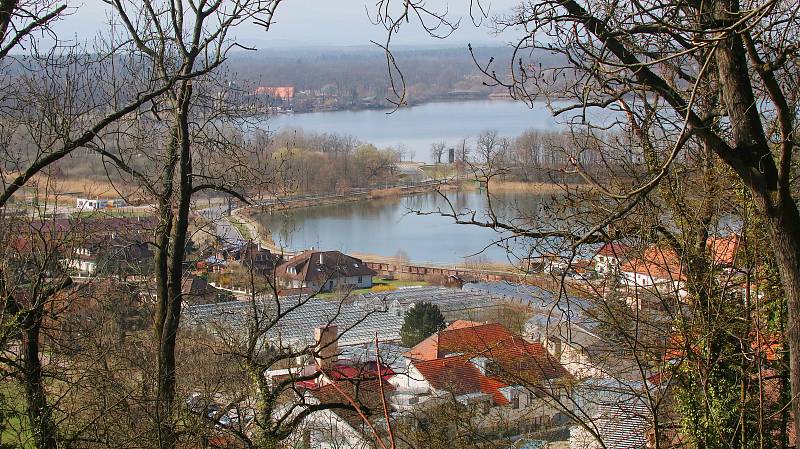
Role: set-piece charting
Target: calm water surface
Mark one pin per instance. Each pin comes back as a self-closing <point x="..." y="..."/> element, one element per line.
<point x="416" y="128"/>
<point x="388" y="226"/>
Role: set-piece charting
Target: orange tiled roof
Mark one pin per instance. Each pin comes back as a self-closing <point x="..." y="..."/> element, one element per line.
<point x="657" y="263"/>
<point x="613" y="249"/>
<point x="512" y="359"/>
<point x="471" y="339"/>
<point x="724" y="249"/>
<point x="428" y="349"/>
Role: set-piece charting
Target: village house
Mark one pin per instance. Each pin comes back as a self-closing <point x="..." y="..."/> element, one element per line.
<point x="116" y="245"/>
<point x="579" y="350"/>
<point x="509" y="379"/>
<point x="246" y="254"/>
<point x="324" y="271"/>
<point x="476" y="367"/>
<point x="725" y="251"/>
<point x="658" y="271"/>
<point x="98" y="204"/>
<point x="342" y="428"/>
<point x="609" y="257"/>
<point x="342" y="375"/>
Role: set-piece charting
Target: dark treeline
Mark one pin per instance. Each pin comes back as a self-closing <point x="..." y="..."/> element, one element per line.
<point x="361" y="72"/>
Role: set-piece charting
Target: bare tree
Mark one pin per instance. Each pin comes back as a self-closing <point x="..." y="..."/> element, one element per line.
<point x="694" y="89"/>
<point x="437" y="151"/>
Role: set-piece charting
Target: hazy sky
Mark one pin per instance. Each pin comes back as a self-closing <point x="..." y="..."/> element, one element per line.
<point x="319" y="22"/>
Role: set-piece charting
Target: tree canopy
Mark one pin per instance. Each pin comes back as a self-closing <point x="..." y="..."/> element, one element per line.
<point x="421" y="321"/>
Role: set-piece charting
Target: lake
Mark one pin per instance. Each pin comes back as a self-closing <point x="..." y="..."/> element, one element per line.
<point x="416" y="128"/>
<point x="388" y="226"/>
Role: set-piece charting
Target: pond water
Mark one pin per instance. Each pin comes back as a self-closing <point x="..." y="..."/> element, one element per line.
<point x="391" y="226"/>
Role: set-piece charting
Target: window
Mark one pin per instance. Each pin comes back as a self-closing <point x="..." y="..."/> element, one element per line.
<point x="359" y="279"/>
<point x="515" y="402"/>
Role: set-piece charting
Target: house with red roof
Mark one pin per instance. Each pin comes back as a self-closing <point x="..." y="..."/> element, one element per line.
<point x="350" y="411"/>
<point x="659" y="270"/>
<point x="505" y="381"/>
<point x="486" y="366"/>
<point x="725" y="250"/>
<point x="608" y="258"/>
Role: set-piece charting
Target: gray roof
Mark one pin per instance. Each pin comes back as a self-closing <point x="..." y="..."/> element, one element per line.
<point x="529" y="295"/>
<point x="357" y="323"/>
<point x="617" y="411"/>
<point x="447" y="299"/>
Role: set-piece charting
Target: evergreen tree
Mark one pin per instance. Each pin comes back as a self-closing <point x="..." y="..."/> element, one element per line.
<point x="421" y="321"/>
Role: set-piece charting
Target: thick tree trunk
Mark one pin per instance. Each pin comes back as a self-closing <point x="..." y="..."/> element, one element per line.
<point x="39" y="412"/>
<point x="784" y="230"/>
<point x="170" y="320"/>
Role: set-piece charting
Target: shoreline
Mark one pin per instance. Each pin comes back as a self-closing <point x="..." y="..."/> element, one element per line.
<point x="263" y="236"/>
<point x="534" y="187"/>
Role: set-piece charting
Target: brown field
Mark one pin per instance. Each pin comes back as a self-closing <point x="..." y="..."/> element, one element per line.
<point x="533" y="187"/>
<point x="67" y="190"/>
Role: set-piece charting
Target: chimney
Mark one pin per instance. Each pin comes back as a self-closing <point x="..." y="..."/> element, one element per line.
<point x="320" y="259"/>
<point x="327" y="347"/>
<point x="554" y="346"/>
<point x="482" y="363"/>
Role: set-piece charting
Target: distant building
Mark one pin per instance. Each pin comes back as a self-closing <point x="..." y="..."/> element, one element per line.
<point x="486" y="366"/>
<point x="97" y="204"/>
<point x="725" y="251"/>
<point x="324" y="271"/>
<point x="658" y="270"/>
<point x="114" y="255"/>
<point x="282" y="92"/>
<point x="471" y="365"/>
<point x="608" y="258"/>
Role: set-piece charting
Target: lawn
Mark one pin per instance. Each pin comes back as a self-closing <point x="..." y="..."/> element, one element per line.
<point x="379" y="285"/>
<point x="243" y="230"/>
<point x="14" y="423"/>
<point x="439" y="171"/>
<point x="113" y="213"/>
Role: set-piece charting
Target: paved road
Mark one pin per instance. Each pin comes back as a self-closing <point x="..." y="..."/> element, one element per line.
<point x="223" y="228"/>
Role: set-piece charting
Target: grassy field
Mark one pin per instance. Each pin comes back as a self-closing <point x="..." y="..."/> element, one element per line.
<point x="379" y="285"/>
<point x="439" y="171"/>
<point x="13" y="431"/>
<point x="240" y="227"/>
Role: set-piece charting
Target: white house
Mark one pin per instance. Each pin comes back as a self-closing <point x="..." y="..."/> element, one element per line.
<point x="608" y="258"/>
<point x="324" y="271"/>
<point x="97" y="204"/>
<point x="658" y="271"/>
